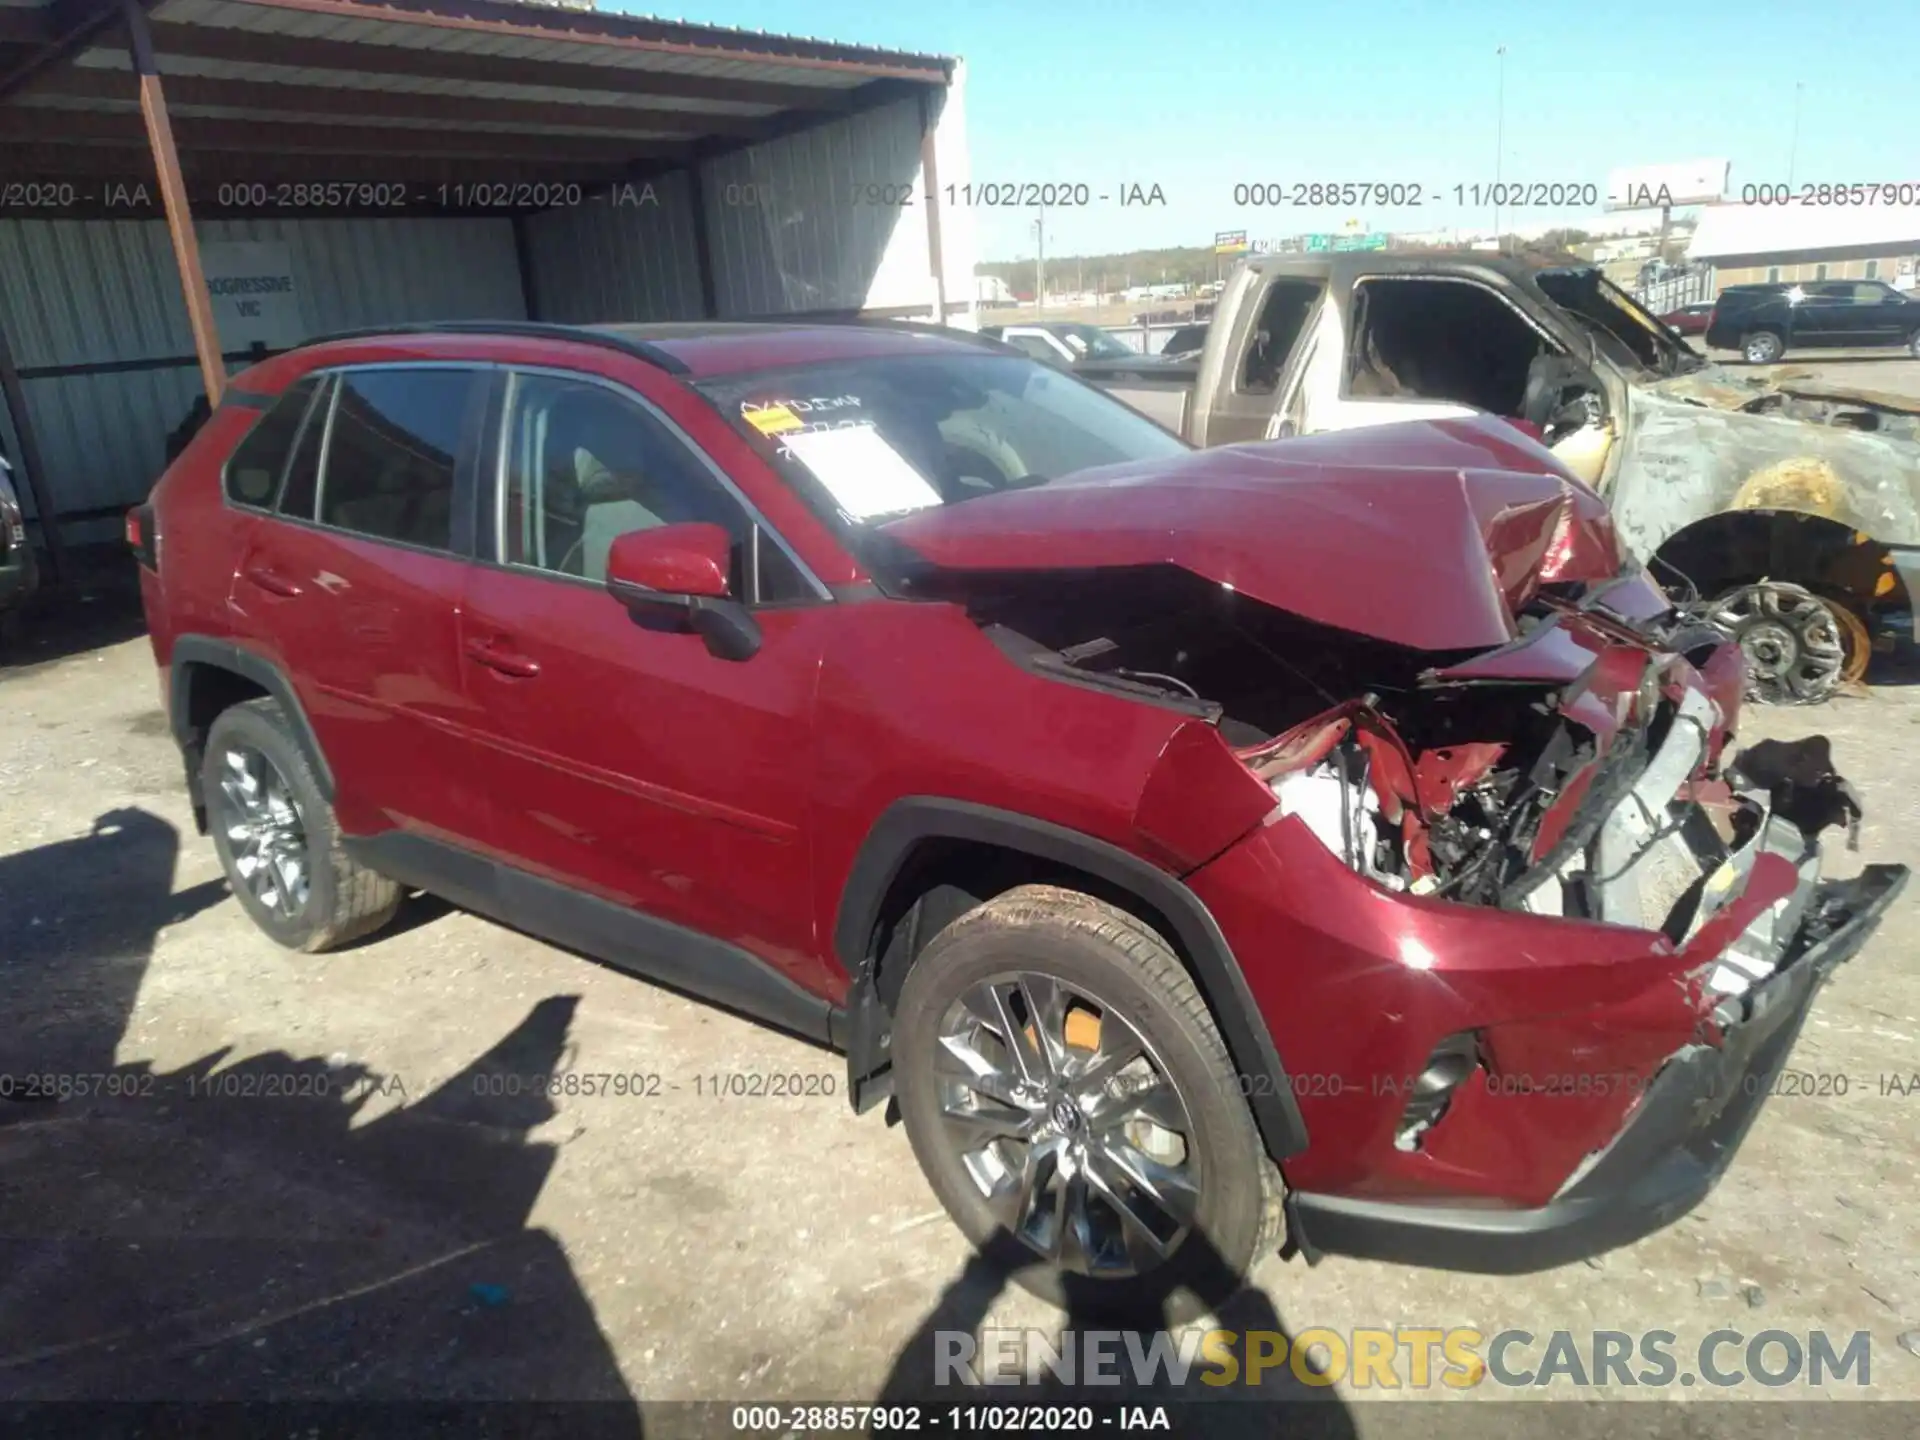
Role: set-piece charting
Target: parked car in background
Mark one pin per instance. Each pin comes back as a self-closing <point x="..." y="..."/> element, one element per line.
<point x="893" y="687"/>
<point x="1085" y="349"/>
<point x="1765" y="321"/>
<point x="1689" y="319"/>
<point x="1787" y="505"/>
<point x="1186" y="343"/>
<point x="19" y="570"/>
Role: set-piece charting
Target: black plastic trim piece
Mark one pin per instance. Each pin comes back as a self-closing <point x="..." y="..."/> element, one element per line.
<point x="531" y="329"/>
<point x="652" y="948"/>
<point x="192" y="650"/>
<point x="908" y="822"/>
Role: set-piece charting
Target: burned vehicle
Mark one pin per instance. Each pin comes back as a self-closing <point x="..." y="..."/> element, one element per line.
<point x="1187" y="878"/>
<point x="1787" y="510"/>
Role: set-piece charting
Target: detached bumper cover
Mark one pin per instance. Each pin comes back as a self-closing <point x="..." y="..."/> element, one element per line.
<point x="1677" y="1141"/>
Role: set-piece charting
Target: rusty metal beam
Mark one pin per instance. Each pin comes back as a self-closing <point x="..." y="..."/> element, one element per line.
<point x="173" y="192"/>
<point x="25" y="125"/>
<point x="275" y="100"/>
<point x="205" y="42"/>
<point x="68" y="27"/>
<point x="632" y="33"/>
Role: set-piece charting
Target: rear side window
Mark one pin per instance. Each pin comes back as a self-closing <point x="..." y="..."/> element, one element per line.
<point x="254" y="469"/>
<point x="300" y="489"/>
<point x="390" y="454"/>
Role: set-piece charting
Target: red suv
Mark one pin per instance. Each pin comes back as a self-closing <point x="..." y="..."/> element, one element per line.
<point x="1336" y="836"/>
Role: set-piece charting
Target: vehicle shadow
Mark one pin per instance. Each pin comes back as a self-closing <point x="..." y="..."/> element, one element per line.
<point x="1266" y="1398"/>
<point x="277" y="1227"/>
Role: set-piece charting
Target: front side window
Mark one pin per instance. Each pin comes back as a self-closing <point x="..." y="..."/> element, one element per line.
<point x="391" y="449"/>
<point x="1283" y="319"/>
<point x="254" y="469"/>
<point x="582" y="465"/>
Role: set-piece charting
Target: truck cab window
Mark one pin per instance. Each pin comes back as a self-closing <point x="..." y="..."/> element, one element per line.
<point x="1283" y="315"/>
<point x="1439" y="340"/>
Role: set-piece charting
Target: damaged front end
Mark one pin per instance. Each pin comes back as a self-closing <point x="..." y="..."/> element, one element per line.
<point x="1529" y="935"/>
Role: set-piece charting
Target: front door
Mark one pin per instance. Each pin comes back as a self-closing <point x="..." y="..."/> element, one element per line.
<point x="628" y="761"/>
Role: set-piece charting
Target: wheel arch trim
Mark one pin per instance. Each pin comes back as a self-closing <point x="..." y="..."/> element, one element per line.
<point x="190" y="651"/>
<point x="908" y="822"/>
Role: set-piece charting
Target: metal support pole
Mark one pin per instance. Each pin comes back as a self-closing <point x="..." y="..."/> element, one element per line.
<point x="173" y="193"/>
<point x="930" y="172"/>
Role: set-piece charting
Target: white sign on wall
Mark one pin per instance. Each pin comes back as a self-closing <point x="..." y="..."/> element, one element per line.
<point x="256" y="295"/>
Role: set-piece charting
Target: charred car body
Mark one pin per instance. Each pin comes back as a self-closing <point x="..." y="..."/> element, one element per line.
<point x="1791" y="508"/>
<point x="1183" y="873"/>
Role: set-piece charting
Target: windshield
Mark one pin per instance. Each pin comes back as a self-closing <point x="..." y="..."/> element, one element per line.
<point x="1620" y="325"/>
<point x="872" y="438"/>
<point x="1090" y="342"/>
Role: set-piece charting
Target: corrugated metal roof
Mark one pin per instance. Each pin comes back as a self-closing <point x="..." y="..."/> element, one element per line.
<point x="592" y="37"/>
<point x="1783" y="229"/>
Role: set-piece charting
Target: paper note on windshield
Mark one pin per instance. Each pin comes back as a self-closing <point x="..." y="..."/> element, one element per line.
<point x="865" y="475"/>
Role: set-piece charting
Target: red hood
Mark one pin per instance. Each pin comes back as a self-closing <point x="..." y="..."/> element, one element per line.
<point x="1427" y="533"/>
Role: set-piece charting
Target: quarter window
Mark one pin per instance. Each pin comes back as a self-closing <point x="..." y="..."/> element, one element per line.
<point x="254" y="469"/>
<point x="391" y="451"/>
<point x="301" y="488"/>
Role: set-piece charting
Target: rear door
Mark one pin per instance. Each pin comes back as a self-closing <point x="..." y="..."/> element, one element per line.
<point x="1239" y="379"/>
<point x="628" y="761"/>
<point x="352" y="588"/>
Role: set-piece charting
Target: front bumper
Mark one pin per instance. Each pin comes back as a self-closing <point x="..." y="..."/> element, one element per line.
<point x="1677" y="1141"/>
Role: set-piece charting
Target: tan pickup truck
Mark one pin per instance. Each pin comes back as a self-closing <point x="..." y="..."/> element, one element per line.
<point x="1788" y="508"/>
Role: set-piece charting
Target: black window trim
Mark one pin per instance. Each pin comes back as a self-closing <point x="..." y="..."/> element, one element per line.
<point x="272" y="507"/>
<point x="491" y="470"/>
<point x="459" y="546"/>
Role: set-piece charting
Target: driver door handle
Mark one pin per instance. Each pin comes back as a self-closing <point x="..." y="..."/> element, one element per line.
<point x="498" y="658"/>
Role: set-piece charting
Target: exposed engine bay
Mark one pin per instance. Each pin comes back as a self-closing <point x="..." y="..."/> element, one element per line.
<point x="1573" y="772"/>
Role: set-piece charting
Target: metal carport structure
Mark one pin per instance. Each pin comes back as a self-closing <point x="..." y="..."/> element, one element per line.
<point x="427" y="159"/>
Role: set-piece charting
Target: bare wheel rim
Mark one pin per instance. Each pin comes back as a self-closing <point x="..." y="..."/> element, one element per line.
<point x="265" y="829"/>
<point x="1789" y="638"/>
<point x="1068" y="1124"/>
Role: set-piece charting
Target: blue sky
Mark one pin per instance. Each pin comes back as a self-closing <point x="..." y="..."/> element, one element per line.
<point x="1199" y="95"/>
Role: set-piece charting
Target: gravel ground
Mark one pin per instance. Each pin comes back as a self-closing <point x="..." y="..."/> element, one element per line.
<point x="303" y="1187"/>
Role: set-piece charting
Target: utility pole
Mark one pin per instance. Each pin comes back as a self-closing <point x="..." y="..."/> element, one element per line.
<point x="1039" y="262"/>
<point x="1499" y="135"/>
<point x="1793" y="146"/>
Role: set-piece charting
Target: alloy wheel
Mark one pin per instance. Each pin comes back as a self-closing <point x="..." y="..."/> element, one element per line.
<point x="1790" y="639"/>
<point x="1068" y="1125"/>
<point x="266" y="833"/>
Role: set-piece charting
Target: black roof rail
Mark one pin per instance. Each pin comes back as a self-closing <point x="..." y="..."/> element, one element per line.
<point x="531" y="329"/>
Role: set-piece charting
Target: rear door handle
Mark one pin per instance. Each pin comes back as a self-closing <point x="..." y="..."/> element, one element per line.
<point x="507" y="662"/>
<point x="272" y="581"/>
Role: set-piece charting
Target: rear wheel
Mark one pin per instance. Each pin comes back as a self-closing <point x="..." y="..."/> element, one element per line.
<point x="277" y="837"/>
<point x="1072" y="1104"/>
<point x="1761" y="347"/>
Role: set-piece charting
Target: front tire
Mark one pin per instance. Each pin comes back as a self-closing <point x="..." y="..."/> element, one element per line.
<point x="1762" y="347"/>
<point x="277" y="837"/>
<point x="1072" y="1105"/>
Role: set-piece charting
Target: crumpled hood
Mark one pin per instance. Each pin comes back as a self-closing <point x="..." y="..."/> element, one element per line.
<point x="1725" y="387"/>
<point x="1428" y="534"/>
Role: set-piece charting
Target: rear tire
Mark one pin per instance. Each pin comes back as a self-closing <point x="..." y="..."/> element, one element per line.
<point x="1170" y="1125"/>
<point x="1762" y="347"/>
<point x="277" y="837"/>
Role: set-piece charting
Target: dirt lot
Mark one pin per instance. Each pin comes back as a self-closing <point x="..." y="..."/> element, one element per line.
<point x="348" y="1210"/>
